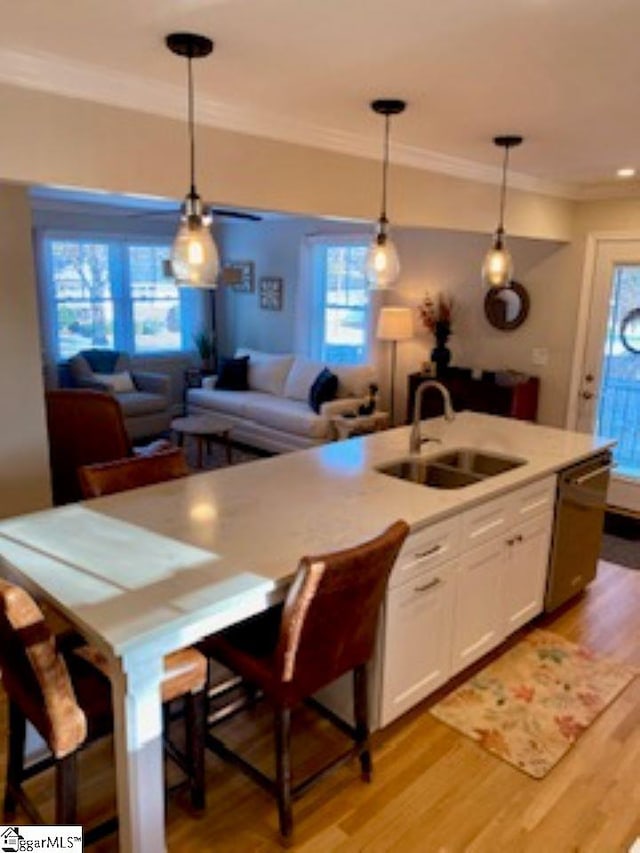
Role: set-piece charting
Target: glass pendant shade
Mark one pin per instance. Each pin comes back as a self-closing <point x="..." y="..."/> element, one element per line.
<point x="383" y="265"/>
<point x="497" y="269"/>
<point x="194" y="257"/>
<point x="195" y="261"/>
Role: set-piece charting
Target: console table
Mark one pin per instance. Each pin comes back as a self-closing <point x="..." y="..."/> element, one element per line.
<point x="513" y="395"/>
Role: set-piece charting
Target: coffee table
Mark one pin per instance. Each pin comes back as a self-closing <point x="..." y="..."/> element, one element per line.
<point x="203" y="428"/>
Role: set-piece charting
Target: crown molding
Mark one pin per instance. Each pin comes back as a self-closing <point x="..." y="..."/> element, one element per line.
<point x="619" y="189"/>
<point x="69" y="78"/>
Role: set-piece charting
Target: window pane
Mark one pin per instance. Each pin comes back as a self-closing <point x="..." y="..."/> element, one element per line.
<point x="346" y="305"/>
<point x="80" y="270"/>
<point x="155" y="300"/>
<point x="82" y="291"/>
<point x="619" y="404"/>
<point x="346" y="281"/>
<point x="82" y="325"/>
<point x="156" y="325"/>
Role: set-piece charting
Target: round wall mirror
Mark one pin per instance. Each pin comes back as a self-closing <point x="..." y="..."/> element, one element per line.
<point x="630" y="331"/>
<point x="507" y="308"/>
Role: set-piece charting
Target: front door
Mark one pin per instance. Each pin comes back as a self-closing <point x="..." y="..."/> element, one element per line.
<point x="609" y="394"/>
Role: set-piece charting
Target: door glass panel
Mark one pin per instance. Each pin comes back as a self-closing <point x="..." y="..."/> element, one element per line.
<point x="619" y="400"/>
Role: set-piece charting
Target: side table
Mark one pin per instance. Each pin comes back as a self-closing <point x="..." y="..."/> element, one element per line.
<point x="193" y="377"/>
<point x="203" y="428"/>
<point x="359" y="425"/>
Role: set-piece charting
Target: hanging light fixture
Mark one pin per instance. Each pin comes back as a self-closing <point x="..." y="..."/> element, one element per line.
<point x="497" y="269"/>
<point x="383" y="266"/>
<point x="195" y="261"/>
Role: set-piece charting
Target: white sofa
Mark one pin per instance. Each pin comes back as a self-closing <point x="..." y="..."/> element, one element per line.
<point x="274" y="414"/>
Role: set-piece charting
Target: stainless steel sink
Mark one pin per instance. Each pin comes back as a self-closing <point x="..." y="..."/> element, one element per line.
<point x="477" y="461"/>
<point x="454" y="469"/>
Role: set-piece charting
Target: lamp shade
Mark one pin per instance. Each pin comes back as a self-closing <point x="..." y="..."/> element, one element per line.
<point x="395" y="324"/>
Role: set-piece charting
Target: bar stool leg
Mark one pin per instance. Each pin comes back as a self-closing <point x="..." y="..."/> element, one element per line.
<point x="66" y="790"/>
<point x="361" y="715"/>
<point x="195" y="723"/>
<point x="283" y="769"/>
<point x="15" y="761"/>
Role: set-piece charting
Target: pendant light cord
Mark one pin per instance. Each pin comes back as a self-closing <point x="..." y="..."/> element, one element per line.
<point x="503" y="190"/>
<point x="192" y="145"/>
<point x="385" y="168"/>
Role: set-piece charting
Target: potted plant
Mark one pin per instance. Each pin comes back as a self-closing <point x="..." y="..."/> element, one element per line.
<point x="437" y="317"/>
<point x="205" y="341"/>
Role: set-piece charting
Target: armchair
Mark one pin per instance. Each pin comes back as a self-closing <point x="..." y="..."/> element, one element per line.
<point x="145" y="398"/>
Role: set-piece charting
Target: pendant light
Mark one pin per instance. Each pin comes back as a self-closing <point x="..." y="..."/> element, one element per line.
<point x="497" y="269"/>
<point x="383" y="266"/>
<point x="195" y="261"/>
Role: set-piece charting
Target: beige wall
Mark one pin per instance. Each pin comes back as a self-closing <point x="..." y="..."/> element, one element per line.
<point x="54" y="140"/>
<point x="24" y="464"/>
<point x="557" y="282"/>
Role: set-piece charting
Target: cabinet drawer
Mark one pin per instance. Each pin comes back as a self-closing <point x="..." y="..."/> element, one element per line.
<point x="425" y="548"/>
<point x="534" y="499"/>
<point x="490" y="519"/>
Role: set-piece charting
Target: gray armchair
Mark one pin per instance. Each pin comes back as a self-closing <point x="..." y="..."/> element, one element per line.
<point x="145" y="398"/>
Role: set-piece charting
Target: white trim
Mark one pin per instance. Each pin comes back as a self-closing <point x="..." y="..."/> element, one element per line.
<point x="594" y="240"/>
<point x="70" y="78"/>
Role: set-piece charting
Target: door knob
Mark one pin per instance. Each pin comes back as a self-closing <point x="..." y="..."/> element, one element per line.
<point x="589" y="377"/>
<point x="587" y="395"/>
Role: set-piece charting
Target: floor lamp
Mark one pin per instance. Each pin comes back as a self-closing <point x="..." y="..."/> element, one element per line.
<point x="394" y="324"/>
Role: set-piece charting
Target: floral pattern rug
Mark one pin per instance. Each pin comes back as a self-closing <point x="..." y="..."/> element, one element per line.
<point x="531" y="705"/>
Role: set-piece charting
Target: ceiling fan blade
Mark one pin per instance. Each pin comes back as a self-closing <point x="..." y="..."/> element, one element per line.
<point x="236" y="214"/>
<point x="229" y="214"/>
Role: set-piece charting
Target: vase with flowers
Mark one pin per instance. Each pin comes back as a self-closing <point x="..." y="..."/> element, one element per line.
<point x="436" y="316"/>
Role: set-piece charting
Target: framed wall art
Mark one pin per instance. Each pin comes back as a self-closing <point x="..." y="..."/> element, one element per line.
<point x="271" y="289"/>
<point x="240" y="275"/>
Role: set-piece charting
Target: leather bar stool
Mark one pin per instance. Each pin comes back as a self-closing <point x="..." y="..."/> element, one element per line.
<point x="107" y="478"/>
<point x="68" y="701"/>
<point x="326" y="628"/>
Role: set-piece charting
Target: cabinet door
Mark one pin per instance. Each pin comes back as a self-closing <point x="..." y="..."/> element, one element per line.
<point x="478" y="621"/>
<point x="525" y="571"/>
<point x="417" y="640"/>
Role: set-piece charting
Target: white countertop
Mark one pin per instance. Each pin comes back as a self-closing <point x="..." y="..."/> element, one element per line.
<point x="193" y="553"/>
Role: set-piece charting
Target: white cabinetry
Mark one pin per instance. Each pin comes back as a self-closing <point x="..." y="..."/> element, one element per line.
<point x="525" y="571"/>
<point x="417" y="639"/>
<point x="459" y="588"/>
<point x="478" y="624"/>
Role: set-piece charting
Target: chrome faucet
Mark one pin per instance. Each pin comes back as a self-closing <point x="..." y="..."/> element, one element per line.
<point x="415" y="439"/>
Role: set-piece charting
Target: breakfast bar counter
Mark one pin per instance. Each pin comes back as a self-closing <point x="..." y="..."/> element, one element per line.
<point x="145" y="572"/>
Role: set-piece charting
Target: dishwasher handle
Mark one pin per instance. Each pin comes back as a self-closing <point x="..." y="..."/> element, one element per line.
<point x="591" y="475"/>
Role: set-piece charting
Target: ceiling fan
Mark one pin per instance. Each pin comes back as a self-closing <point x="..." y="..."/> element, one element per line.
<point x="214" y="211"/>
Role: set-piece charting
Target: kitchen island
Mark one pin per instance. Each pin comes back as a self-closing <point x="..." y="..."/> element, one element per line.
<point x="145" y="572"/>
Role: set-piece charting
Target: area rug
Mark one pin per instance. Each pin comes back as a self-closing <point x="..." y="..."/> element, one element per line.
<point x="531" y="705"/>
<point x="621" y="551"/>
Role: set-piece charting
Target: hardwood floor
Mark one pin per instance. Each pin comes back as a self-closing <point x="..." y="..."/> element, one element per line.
<point x="434" y="789"/>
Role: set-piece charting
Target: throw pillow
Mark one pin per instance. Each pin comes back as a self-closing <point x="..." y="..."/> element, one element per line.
<point x="119" y="383"/>
<point x="101" y="360"/>
<point x="324" y="389"/>
<point x="301" y="377"/>
<point x="267" y="371"/>
<point x="233" y="374"/>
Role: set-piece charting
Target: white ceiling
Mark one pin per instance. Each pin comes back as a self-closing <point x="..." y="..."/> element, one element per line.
<point x="563" y="73"/>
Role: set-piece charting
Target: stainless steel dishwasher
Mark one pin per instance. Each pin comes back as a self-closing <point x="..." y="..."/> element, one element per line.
<point x="577" y="528"/>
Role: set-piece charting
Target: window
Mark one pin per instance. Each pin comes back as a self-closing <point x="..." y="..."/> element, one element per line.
<point x="104" y="292"/>
<point x="338" y="310"/>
